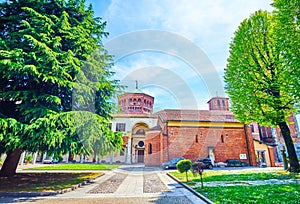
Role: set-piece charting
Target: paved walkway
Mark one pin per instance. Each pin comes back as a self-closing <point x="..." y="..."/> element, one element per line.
<point x="130" y="190"/>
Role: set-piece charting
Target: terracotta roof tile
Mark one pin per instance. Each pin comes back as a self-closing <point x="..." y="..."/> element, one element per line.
<point x="196" y="115"/>
<point x="156" y="128"/>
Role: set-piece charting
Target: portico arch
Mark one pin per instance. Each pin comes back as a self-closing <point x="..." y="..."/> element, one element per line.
<point x="138" y="142"/>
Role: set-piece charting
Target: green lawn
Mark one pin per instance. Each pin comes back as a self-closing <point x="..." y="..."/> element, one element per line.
<point x="265" y="194"/>
<point x="284" y="193"/>
<point x="76" y="167"/>
<point x="39" y="182"/>
<point x="43" y="182"/>
<point x="236" y="175"/>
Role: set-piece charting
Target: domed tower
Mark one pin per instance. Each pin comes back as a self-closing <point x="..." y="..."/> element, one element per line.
<point x="136" y="102"/>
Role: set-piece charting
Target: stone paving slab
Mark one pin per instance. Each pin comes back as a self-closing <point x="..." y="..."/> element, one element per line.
<point x="133" y="200"/>
<point x="153" y="184"/>
<point x="131" y="190"/>
<point x="110" y="185"/>
<point x="132" y="185"/>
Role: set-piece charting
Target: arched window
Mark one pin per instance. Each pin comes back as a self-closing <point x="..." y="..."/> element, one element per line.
<point x="150" y="148"/>
<point x="218" y="101"/>
<point x="223" y="102"/>
<point x="140" y="132"/>
<point x="222" y="138"/>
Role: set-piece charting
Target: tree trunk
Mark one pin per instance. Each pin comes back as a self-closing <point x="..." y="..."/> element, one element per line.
<point x="186" y="175"/>
<point x="294" y="163"/>
<point x="70" y="158"/>
<point x="201" y="180"/>
<point x="10" y="163"/>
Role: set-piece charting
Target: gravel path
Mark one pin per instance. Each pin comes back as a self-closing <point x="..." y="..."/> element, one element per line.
<point x="153" y="184"/>
<point x="110" y="185"/>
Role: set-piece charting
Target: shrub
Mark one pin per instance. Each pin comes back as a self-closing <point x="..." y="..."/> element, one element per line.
<point x="57" y="158"/>
<point x="198" y="168"/>
<point x="60" y="159"/>
<point x="28" y="158"/>
<point x="184" y="166"/>
<point x="1" y="161"/>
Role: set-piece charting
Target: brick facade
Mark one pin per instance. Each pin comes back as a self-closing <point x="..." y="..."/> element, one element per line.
<point x="273" y="141"/>
<point x="193" y="134"/>
<point x="193" y="142"/>
<point x="153" y="157"/>
<point x="218" y="103"/>
<point x="136" y="103"/>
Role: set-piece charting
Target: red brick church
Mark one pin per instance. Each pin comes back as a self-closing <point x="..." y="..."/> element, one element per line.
<point x="194" y="134"/>
<point x="153" y="138"/>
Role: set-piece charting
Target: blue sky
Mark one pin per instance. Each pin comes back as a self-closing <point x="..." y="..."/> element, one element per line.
<point x="177" y="50"/>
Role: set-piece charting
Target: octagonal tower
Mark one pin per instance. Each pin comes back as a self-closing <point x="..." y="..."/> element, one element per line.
<point x="136" y="102"/>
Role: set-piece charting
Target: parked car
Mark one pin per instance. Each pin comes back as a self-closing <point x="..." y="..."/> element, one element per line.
<point x="49" y="160"/>
<point x="235" y="163"/>
<point x="221" y="164"/>
<point x="207" y="162"/>
<point x="171" y="164"/>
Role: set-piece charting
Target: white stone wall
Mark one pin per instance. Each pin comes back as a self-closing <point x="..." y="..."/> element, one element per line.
<point x="130" y="122"/>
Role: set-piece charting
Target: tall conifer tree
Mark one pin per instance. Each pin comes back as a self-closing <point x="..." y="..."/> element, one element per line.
<point x="55" y="80"/>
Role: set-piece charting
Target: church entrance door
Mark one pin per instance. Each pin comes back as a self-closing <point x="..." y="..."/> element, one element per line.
<point x="141" y="156"/>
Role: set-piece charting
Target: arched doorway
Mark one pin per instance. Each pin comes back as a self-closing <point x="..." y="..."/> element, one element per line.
<point x="138" y="142"/>
<point x="140" y="152"/>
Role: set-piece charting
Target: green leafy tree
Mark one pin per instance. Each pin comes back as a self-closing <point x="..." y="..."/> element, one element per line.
<point x="184" y="166"/>
<point x="287" y="36"/>
<point x="55" y="81"/>
<point x="259" y="85"/>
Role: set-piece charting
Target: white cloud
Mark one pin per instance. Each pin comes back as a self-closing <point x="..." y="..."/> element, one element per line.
<point x="190" y="18"/>
<point x="208" y="24"/>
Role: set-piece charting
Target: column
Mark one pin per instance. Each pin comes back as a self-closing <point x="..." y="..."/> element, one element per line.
<point x="81" y="158"/>
<point x="44" y="156"/>
<point x="21" y="161"/>
<point x="111" y="157"/>
<point x="67" y="157"/>
<point x="211" y="154"/>
<point x="128" y="152"/>
<point x="34" y="158"/>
